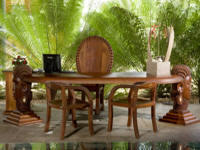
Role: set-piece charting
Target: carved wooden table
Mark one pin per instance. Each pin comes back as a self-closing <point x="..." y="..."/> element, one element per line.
<point x="180" y="80"/>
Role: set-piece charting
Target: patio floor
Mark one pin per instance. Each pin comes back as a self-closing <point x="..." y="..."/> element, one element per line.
<point x="167" y="132"/>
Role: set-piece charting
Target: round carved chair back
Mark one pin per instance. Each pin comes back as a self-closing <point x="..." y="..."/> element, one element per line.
<point x="94" y="55"/>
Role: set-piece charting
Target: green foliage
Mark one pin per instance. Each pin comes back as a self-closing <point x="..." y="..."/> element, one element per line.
<point x="170" y="14"/>
<point x="120" y="145"/>
<point x="2" y="49"/>
<point x="50" y="27"/>
<point x="53" y="26"/>
<point x="189" y="47"/>
<point x="124" y="31"/>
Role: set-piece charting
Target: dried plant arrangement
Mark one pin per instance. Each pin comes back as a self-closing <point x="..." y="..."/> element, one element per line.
<point x="160" y="66"/>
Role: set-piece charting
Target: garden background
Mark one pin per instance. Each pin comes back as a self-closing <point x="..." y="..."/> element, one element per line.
<point x="30" y="28"/>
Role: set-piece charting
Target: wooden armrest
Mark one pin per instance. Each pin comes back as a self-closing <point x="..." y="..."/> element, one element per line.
<point x="59" y="85"/>
<point x="142" y="85"/>
<point x="146" y="85"/>
<point x="115" y="88"/>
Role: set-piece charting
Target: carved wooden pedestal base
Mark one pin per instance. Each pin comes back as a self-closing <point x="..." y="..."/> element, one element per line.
<point x="7" y="112"/>
<point x="20" y="119"/>
<point x="180" y="94"/>
<point x="183" y="118"/>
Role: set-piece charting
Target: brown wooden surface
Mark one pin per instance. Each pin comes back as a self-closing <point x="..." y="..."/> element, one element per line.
<point x="102" y="78"/>
<point x="132" y="102"/>
<point x="181" y="93"/>
<point x="22" y="95"/>
<point x="21" y="89"/>
<point x="95" y="55"/>
<point x="180" y="80"/>
<point x="20" y="119"/>
<point x="10" y="101"/>
<point x="184" y="118"/>
<point x="67" y="103"/>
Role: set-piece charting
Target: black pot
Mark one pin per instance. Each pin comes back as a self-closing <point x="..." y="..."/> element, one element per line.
<point x="51" y="63"/>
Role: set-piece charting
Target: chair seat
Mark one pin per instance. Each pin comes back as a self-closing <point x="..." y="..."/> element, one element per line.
<point x="140" y="103"/>
<point x="67" y="103"/>
<point x="93" y="87"/>
<point x="133" y="102"/>
<point x="95" y="55"/>
<point x="77" y="105"/>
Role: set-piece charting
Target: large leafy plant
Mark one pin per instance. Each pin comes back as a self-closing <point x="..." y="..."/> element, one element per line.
<point x="47" y="27"/>
<point x="124" y="31"/>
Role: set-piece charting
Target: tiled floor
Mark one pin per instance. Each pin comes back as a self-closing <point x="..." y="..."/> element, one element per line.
<point x="167" y="132"/>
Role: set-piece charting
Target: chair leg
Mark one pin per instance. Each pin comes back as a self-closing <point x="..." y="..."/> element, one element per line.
<point x="65" y="113"/>
<point x="110" y="116"/>
<point x="102" y="99"/>
<point x="129" y="118"/>
<point x="83" y="96"/>
<point x="153" y="117"/>
<point x="97" y="111"/>
<point x="62" y="146"/>
<point x="74" y="123"/>
<point x="48" y="118"/>
<point x="90" y="120"/>
<point x="135" y="124"/>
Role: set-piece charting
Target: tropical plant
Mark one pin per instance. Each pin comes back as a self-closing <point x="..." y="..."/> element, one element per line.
<point x="48" y="27"/>
<point x="124" y="31"/>
<point x="190" y="47"/>
<point x="145" y="9"/>
<point x="170" y="14"/>
<point x="126" y="34"/>
<point x="53" y="26"/>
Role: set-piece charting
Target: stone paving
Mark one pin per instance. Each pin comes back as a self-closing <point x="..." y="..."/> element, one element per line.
<point x="167" y="132"/>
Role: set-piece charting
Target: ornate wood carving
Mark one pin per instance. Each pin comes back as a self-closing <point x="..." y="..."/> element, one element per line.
<point x="23" y="96"/>
<point x="22" y="90"/>
<point x="181" y="93"/>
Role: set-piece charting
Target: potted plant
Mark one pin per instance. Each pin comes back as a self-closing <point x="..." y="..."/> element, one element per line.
<point x="19" y="61"/>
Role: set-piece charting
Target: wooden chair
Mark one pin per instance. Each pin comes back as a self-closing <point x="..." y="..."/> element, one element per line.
<point x="95" y="55"/>
<point x="67" y="103"/>
<point x="132" y="102"/>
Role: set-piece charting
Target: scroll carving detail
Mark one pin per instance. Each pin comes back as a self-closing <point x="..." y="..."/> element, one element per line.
<point x="22" y="90"/>
<point x="181" y="91"/>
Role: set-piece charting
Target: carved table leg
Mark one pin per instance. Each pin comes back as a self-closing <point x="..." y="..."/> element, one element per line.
<point x="181" y="95"/>
<point x="23" y="96"/>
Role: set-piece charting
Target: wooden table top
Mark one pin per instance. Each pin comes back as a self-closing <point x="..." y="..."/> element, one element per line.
<point x="100" y="78"/>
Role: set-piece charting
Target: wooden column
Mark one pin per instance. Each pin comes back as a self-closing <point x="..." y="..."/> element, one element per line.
<point x="28" y="3"/>
<point x="8" y="5"/>
<point x="10" y="101"/>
